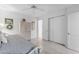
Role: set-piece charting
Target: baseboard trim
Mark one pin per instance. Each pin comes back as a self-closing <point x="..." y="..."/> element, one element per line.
<point x="57" y="43"/>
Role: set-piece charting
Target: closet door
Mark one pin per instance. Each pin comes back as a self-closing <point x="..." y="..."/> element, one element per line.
<point x="51" y="29"/>
<point x="73" y="31"/>
<point x="58" y="29"/>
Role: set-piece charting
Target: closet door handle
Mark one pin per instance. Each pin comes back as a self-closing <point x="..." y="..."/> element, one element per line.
<point x="68" y="33"/>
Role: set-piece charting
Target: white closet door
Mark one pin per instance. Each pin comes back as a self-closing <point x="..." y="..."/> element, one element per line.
<point x="58" y="29"/>
<point x="51" y="30"/>
<point x="73" y="31"/>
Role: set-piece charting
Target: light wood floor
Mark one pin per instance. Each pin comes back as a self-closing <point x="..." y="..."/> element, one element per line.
<point x="54" y="48"/>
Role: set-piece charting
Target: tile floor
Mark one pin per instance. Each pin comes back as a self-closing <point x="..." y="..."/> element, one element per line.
<point x="54" y="48"/>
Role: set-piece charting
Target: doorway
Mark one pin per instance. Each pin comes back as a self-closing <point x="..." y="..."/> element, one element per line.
<point x="73" y="31"/>
<point x="25" y="29"/>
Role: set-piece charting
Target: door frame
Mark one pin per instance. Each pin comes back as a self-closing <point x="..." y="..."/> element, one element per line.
<point x="38" y="28"/>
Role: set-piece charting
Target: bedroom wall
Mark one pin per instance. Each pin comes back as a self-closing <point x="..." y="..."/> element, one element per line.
<point x="73" y="9"/>
<point x="17" y="17"/>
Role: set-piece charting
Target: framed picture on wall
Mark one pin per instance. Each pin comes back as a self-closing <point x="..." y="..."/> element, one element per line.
<point x="8" y="21"/>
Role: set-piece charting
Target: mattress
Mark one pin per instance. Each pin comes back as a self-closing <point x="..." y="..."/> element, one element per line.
<point x="16" y="45"/>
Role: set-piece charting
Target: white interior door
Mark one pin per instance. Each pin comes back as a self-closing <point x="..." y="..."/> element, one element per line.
<point x="58" y="29"/>
<point x="51" y="30"/>
<point x="40" y="23"/>
<point x="73" y="31"/>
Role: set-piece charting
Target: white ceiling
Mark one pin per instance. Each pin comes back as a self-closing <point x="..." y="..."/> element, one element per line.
<point x="42" y="8"/>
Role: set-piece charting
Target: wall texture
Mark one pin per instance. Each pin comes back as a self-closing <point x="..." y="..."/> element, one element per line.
<point x="17" y="17"/>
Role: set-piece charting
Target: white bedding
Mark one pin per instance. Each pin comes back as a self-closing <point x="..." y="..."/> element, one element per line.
<point x="16" y="45"/>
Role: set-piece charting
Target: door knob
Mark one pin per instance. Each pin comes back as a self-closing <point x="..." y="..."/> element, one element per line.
<point x="68" y="33"/>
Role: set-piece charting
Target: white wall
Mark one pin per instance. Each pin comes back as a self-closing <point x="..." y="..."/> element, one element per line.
<point x="45" y="28"/>
<point x="17" y="17"/>
<point x="34" y="31"/>
<point x="73" y="9"/>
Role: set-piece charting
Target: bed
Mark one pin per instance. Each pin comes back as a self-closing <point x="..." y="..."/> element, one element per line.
<point x="18" y="45"/>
